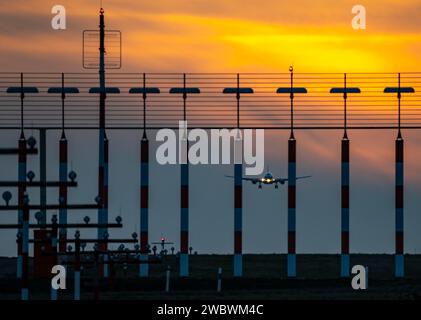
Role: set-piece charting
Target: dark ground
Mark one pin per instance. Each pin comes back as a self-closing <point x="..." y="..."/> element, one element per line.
<point x="264" y="278"/>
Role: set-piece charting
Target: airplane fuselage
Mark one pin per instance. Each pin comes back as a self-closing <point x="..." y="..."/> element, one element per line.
<point x="267" y="181"/>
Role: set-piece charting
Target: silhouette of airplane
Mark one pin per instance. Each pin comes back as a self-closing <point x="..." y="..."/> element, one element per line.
<point x="269" y="179"/>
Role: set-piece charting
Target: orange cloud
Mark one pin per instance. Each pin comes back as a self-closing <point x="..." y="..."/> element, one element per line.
<point x="255" y="36"/>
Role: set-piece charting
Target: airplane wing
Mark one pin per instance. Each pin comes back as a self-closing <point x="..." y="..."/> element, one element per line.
<point x="283" y="180"/>
<point x="302" y="177"/>
<point x="246" y="179"/>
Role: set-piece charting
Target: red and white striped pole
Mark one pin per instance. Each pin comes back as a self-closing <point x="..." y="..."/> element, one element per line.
<point x="144" y="181"/>
<point x="184" y="210"/>
<point x="54" y="234"/>
<point x="292" y="175"/>
<point x="184" y="191"/>
<point x="238" y="204"/>
<point x="184" y="179"/>
<point x="104" y="231"/>
<point x="238" y="192"/>
<point x="144" y="204"/>
<point x="103" y="145"/>
<point x="21" y="178"/>
<point x="21" y="195"/>
<point x="63" y="190"/>
<point x="291" y="258"/>
<point x="345" y="259"/>
<point x="63" y="158"/>
<point x="345" y="185"/>
<point x="399" y="184"/>
<point x="399" y="195"/>
<point x="25" y="249"/>
<point x="144" y="191"/>
<point x="238" y="181"/>
<point x="77" y="267"/>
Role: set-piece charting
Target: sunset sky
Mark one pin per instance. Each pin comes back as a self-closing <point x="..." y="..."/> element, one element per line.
<point x="237" y="36"/>
<point x="219" y="35"/>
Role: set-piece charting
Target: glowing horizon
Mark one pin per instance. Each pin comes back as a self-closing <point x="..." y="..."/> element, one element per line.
<point x="256" y="37"/>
